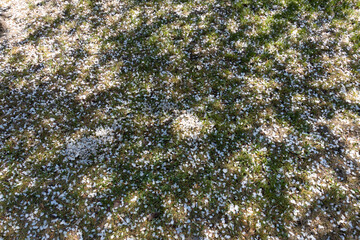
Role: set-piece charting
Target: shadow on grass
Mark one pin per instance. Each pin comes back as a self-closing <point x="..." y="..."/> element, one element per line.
<point x="165" y="172"/>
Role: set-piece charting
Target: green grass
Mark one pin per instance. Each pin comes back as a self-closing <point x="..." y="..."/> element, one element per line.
<point x="181" y="120"/>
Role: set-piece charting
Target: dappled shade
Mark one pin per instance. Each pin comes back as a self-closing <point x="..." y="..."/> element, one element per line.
<point x="180" y="119"/>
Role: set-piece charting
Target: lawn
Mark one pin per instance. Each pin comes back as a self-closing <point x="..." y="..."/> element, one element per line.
<point x="179" y="119"/>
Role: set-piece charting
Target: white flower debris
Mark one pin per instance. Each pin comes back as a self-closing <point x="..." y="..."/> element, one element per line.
<point x="179" y="119"/>
<point x="83" y="148"/>
<point x="187" y="125"/>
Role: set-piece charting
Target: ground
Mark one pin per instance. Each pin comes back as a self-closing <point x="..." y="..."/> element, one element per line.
<point x="179" y="119"/>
